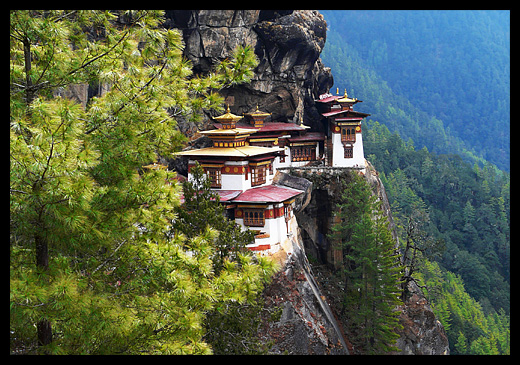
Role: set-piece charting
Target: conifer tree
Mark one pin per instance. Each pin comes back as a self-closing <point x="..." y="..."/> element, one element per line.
<point x="371" y="268"/>
<point x="94" y="266"/>
<point x="232" y="326"/>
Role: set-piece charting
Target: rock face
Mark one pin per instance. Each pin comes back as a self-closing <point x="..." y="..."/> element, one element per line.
<point x="288" y="44"/>
<point x="305" y="324"/>
<point x="422" y="333"/>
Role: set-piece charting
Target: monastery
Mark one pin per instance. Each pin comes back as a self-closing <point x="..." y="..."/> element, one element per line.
<point x="247" y="151"/>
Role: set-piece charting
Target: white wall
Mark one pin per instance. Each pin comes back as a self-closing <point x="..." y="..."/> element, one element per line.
<point x="235" y="182"/>
<point x="275" y="227"/>
<point x="338" y="153"/>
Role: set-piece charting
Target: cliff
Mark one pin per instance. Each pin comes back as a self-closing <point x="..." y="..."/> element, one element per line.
<point x="288" y="44"/>
<point x="422" y="333"/>
<point x="289" y="77"/>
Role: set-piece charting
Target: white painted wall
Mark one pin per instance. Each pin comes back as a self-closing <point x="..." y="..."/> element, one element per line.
<point x="338" y="159"/>
<point x="275" y="227"/>
<point x="235" y="182"/>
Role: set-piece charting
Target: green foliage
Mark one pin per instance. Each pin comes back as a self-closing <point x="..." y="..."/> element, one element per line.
<point x="93" y="261"/>
<point x="231" y="327"/>
<point x="470" y="330"/>
<point x="424" y="75"/>
<point x="371" y="268"/>
<point x="467" y="209"/>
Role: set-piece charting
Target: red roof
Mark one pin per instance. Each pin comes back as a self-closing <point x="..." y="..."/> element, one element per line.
<point x="227" y="195"/>
<point x="328" y="99"/>
<point x="280" y="126"/>
<point x="349" y="113"/>
<point x="267" y="194"/>
<point x="310" y="136"/>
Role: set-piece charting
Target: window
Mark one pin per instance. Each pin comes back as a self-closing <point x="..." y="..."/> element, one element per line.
<point x="214" y="175"/>
<point x="257" y="175"/>
<point x="348" y="134"/>
<point x="348" y="151"/>
<point x="254" y="217"/>
<point x="287" y="208"/>
<point x="303" y="153"/>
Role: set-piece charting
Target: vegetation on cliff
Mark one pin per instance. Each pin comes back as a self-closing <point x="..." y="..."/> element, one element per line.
<point x="94" y="266"/>
<point x="458" y="217"/>
<point x="370" y="269"/>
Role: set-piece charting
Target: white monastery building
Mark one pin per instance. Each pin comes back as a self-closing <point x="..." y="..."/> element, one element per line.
<point x="247" y="151"/>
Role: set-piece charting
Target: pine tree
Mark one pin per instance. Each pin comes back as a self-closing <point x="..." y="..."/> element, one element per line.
<point x="371" y="268"/>
<point x="461" y="344"/>
<point x="94" y="266"/>
<point x="231" y="327"/>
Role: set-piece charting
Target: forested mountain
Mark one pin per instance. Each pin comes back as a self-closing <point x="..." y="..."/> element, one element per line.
<point x="458" y="216"/>
<point x="104" y="258"/>
<point x="440" y="80"/>
<point x="439" y="77"/>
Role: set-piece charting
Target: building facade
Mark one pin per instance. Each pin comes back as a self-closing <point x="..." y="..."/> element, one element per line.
<point x="247" y="150"/>
<point x="343" y="125"/>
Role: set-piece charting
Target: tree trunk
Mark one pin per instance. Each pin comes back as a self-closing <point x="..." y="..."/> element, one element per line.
<point x="29" y="92"/>
<point x="44" y="332"/>
<point x="42" y="252"/>
<point x="42" y="263"/>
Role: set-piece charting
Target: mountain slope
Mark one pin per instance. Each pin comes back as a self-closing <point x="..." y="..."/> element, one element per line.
<point x="441" y="78"/>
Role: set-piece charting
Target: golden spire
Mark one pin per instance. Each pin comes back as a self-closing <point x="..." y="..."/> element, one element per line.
<point x="346" y="99"/>
<point x="228" y="119"/>
<point x="337" y="91"/>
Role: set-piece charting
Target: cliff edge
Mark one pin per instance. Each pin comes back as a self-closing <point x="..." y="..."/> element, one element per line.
<point x="288" y="44"/>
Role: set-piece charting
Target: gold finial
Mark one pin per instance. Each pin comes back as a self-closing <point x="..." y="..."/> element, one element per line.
<point x="337" y="91"/>
<point x="227" y="110"/>
<point x="257" y="107"/>
<point x="345" y="94"/>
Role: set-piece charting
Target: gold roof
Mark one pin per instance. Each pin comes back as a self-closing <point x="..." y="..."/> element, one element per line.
<point x="228" y="117"/>
<point x="346" y="99"/>
<point x="229" y="132"/>
<point x="244" y="151"/>
<point x="258" y="113"/>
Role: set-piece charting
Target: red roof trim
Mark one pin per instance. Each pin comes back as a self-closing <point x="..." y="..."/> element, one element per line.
<point x="312" y="136"/>
<point x="267" y="194"/>
<point x="329" y="99"/>
<point x="350" y="113"/>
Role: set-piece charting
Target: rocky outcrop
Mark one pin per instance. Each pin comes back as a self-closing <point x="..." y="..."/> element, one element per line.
<point x="288" y="43"/>
<point x="422" y="333"/>
<point x="297" y="320"/>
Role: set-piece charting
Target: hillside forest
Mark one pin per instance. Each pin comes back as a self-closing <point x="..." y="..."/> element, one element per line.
<point x="449" y="187"/>
<point x="441" y="78"/>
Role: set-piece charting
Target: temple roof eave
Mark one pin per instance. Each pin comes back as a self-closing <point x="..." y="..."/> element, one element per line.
<point x="244" y="151"/>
